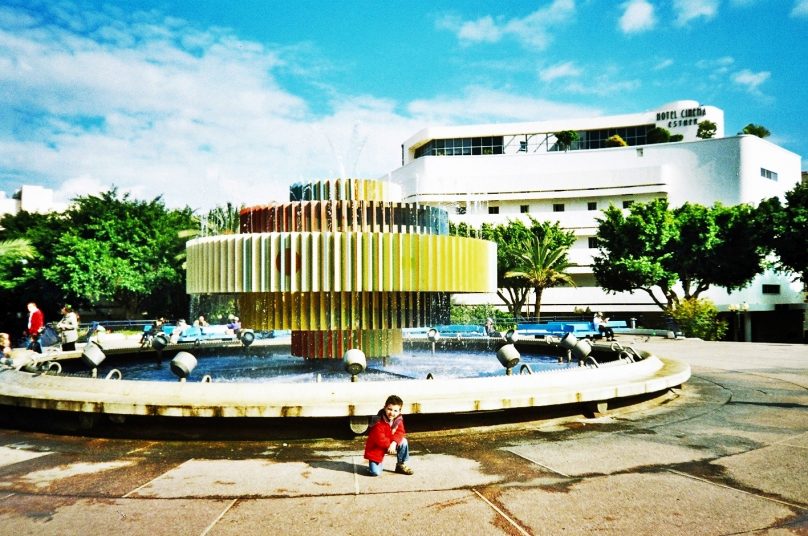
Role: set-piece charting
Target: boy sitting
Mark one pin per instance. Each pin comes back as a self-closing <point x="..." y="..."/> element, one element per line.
<point x="386" y="436"/>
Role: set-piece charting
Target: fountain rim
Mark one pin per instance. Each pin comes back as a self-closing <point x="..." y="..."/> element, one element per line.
<point x="81" y="395"/>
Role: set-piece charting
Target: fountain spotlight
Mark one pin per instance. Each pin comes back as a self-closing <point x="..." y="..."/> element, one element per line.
<point x="355" y="362"/>
<point x="508" y="356"/>
<point x="92" y="356"/>
<point x="160" y="341"/>
<point x="183" y="364"/>
<point x="580" y="349"/>
<point x="511" y="336"/>
<point x="247" y="336"/>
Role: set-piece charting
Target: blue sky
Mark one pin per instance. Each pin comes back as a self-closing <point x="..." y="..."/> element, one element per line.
<point x="206" y="102"/>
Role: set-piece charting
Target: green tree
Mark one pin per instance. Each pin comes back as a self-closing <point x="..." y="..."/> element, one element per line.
<point x="616" y="141"/>
<point x="756" y="130"/>
<point x="541" y="265"/>
<point x="706" y="130"/>
<point x="566" y="138"/>
<point x="654" y="248"/>
<point x="511" y="239"/>
<point x="787" y="230"/>
<point x="121" y="251"/>
<point x="13" y="251"/>
<point x="676" y="137"/>
<point x="658" y="135"/>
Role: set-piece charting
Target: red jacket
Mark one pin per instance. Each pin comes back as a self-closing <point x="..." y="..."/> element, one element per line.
<point x="380" y="436"/>
<point x="36" y="321"/>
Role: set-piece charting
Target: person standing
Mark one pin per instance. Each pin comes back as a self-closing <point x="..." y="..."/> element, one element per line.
<point x="36" y="323"/>
<point x="68" y="328"/>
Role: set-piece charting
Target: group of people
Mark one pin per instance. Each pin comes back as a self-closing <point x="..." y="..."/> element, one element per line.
<point x="67" y="328"/>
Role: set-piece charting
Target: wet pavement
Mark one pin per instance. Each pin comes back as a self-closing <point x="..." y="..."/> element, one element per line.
<point x="726" y="454"/>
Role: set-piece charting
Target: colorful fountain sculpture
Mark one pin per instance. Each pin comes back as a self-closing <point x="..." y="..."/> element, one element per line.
<point x="345" y="264"/>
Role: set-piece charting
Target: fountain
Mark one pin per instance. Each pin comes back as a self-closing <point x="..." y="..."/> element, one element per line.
<point x="346" y="267"/>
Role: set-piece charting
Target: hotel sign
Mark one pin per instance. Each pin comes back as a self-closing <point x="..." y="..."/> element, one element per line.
<point x="681" y="118"/>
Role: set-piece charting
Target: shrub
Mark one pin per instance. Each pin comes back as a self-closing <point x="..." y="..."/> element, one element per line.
<point x="616" y="141"/>
<point x="699" y="318"/>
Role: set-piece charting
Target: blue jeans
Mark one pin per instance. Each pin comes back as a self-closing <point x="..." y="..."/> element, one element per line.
<point x="402" y="455"/>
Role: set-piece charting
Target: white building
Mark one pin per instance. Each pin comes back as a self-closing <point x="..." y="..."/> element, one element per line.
<point x="492" y="173"/>
<point x="29" y="198"/>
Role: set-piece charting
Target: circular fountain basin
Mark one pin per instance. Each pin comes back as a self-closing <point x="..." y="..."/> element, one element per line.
<point x="118" y="399"/>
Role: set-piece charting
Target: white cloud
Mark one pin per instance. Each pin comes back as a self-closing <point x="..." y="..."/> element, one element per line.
<point x="638" y="16"/>
<point x="157" y="107"/>
<point x="663" y="64"/>
<point x="483" y="30"/>
<point x="800" y="8"/>
<point x="560" y="70"/>
<point x="483" y="105"/>
<point x="532" y="31"/>
<point x="750" y="81"/>
<point x="688" y="10"/>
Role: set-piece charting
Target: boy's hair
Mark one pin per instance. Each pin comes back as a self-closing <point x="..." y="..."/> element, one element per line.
<point x="394" y="400"/>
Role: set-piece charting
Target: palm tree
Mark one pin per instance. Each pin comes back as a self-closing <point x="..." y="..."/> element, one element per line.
<point x="542" y="265"/>
<point x="17" y="247"/>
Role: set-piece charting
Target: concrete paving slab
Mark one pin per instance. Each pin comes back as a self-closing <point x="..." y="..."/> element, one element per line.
<point x="44" y="515"/>
<point x="641" y="504"/>
<point x="778" y="470"/>
<point x="605" y="454"/>
<point x="10" y="456"/>
<point x="337" y="476"/>
<point x="45" y="477"/>
<point x="249" y="478"/>
<point x="434" y="513"/>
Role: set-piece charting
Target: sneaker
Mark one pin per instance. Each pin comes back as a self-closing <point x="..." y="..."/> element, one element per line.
<point x="403" y="469"/>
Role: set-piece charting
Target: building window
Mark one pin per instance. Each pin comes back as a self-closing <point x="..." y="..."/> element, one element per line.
<point x="493" y="210"/>
<point x="771" y="289"/>
<point x="593" y="242"/>
<point x="627" y="204"/>
<point x="524" y="209"/>
<point x="558" y="207"/>
<point x="592" y="205"/>
<point x="767" y="174"/>
<point x="461" y="147"/>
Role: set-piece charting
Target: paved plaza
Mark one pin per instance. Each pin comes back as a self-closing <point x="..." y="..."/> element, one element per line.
<point x="726" y="454"/>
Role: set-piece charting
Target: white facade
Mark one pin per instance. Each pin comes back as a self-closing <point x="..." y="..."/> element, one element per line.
<point x="29" y="198"/>
<point x="492" y="173"/>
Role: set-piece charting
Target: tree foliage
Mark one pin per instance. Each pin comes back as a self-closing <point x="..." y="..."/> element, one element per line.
<point x="105" y="249"/>
<point x="756" y="130"/>
<point x="706" y="130"/>
<point x="787" y="227"/>
<point x="654" y="248"/>
<point x="566" y="138"/>
<point x="512" y="241"/>
<point x="541" y="265"/>
<point x="658" y="135"/>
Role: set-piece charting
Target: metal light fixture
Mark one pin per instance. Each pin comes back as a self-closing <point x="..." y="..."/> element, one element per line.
<point x="183" y="364"/>
<point x="354" y="362"/>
